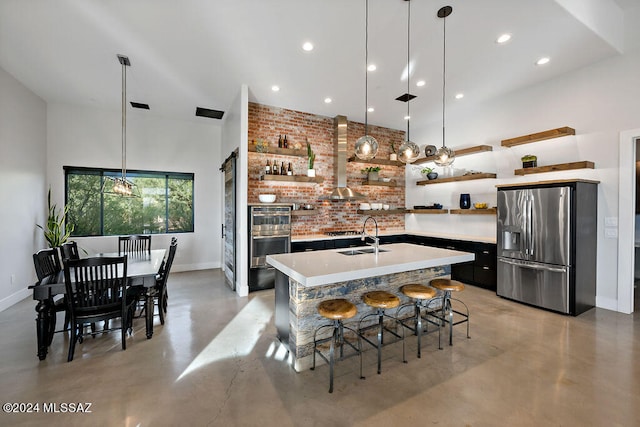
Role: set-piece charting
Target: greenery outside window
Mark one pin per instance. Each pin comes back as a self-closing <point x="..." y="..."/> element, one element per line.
<point x="165" y="205"/>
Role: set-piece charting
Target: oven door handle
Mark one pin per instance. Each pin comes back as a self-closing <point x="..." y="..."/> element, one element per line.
<point x="270" y="236"/>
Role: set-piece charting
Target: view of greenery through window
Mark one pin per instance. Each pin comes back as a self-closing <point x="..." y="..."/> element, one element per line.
<point x="165" y="204"/>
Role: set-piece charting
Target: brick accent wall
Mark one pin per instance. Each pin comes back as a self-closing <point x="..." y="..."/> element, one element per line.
<point x="266" y="123"/>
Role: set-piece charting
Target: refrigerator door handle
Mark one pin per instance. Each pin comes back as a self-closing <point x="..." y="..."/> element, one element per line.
<point x="531" y="231"/>
<point x="532" y="266"/>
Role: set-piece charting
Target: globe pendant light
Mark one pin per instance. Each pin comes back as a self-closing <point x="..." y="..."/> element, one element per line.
<point x="444" y="156"/>
<point x="120" y="185"/>
<point x="408" y="151"/>
<point x="366" y="146"/>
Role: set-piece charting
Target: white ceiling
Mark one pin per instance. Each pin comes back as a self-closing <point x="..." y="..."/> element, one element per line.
<point x="188" y="53"/>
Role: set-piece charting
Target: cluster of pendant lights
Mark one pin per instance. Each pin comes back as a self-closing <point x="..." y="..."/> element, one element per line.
<point x="366" y="146"/>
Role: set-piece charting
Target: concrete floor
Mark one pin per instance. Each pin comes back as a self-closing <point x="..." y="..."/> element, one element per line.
<point x="216" y="362"/>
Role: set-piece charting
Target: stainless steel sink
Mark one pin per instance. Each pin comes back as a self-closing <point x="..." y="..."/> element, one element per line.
<point x="361" y="251"/>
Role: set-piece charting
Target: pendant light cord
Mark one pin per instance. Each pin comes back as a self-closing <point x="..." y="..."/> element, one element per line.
<point x="408" y="68"/>
<point x="124" y="122"/>
<point x="366" y="67"/>
<point x="444" y="69"/>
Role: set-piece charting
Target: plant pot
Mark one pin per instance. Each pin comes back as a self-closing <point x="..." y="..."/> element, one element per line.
<point x="393" y="156"/>
<point x="311" y="173"/>
<point x="432" y="175"/>
<point x="372" y="176"/>
<point x="531" y="164"/>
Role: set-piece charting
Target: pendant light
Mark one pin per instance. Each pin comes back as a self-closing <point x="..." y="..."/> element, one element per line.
<point x="120" y="185"/>
<point x="444" y="156"/>
<point x="366" y="146"/>
<point x="408" y="151"/>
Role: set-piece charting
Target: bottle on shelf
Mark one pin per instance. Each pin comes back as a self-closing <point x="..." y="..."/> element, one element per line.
<point x="283" y="170"/>
<point x="275" y="169"/>
<point x="267" y="168"/>
<point x="289" y="170"/>
<point x="285" y="143"/>
<point x="279" y="141"/>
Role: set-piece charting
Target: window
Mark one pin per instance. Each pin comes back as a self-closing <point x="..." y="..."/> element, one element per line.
<point x="165" y="204"/>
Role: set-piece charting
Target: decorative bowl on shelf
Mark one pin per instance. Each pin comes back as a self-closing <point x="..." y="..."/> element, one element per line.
<point x="365" y="206"/>
<point x="480" y="205"/>
<point x="386" y="207"/>
<point x="376" y="206"/>
<point x="385" y="179"/>
<point x="267" y="198"/>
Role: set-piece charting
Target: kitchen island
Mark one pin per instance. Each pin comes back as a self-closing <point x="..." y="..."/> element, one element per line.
<point x="305" y="279"/>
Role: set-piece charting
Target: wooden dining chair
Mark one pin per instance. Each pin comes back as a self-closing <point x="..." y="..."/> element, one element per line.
<point x="96" y="290"/>
<point x="159" y="290"/>
<point x="48" y="270"/>
<point x="135" y="244"/>
<point x="70" y="251"/>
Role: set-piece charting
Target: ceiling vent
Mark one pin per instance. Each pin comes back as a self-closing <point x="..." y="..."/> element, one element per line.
<point x="406" y="97"/>
<point x="140" y="105"/>
<point x="211" y="114"/>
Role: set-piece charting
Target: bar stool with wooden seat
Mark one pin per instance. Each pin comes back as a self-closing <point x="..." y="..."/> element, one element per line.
<point x="381" y="300"/>
<point x="422" y="297"/>
<point x="337" y="310"/>
<point x="447" y="286"/>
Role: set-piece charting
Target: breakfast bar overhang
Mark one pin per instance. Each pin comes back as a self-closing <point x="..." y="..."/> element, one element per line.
<point x="304" y="279"/>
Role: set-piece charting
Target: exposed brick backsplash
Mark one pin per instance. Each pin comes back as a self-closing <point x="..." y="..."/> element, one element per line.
<point x="267" y="123"/>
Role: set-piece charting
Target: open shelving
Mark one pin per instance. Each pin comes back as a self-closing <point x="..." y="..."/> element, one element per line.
<point x="553" y="168"/>
<point x="381" y="211"/>
<point x="381" y="183"/>
<point x="293" y="178"/>
<point x="489" y="211"/>
<point x="539" y="136"/>
<point x="279" y="151"/>
<point x="461" y="152"/>
<point x="457" y="178"/>
<point x="384" y="162"/>
<point x="428" y="211"/>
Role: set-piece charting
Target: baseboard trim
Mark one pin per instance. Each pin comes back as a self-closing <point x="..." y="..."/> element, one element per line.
<point x="14" y="298"/>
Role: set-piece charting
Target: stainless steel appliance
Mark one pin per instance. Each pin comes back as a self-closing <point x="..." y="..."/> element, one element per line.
<point x="270" y="233"/>
<point x="547" y="245"/>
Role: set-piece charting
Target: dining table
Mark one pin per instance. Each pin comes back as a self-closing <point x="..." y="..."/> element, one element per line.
<point x="142" y="268"/>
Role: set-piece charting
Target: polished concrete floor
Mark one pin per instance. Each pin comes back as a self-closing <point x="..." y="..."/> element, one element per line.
<point x="217" y="362"/>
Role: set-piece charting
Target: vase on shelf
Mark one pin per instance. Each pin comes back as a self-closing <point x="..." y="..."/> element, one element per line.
<point x="311" y="173"/>
<point x="465" y="201"/>
<point x="393" y="157"/>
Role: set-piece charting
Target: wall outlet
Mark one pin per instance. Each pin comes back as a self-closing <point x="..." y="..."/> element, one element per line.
<point x="611" y="232"/>
<point x="611" y="221"/>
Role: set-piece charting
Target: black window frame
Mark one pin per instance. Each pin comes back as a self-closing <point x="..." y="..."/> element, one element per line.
<point x="107" y="172"/>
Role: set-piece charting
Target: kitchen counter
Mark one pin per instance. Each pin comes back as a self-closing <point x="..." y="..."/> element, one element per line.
<point x="319" y="236"/>
<point x="304" y="279"/>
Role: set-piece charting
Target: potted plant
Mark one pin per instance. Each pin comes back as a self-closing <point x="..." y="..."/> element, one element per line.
<point x="529" y="161"/>
<point x="54" y="230"/>
<point x="371" y="172"/>
<point x="311" y="157"/>
<point x="394" y="153"/>
<point x="429" y="173"/>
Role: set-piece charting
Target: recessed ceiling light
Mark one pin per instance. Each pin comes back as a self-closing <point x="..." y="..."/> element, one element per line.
<point x="370" y="109"/>
<point x="542" y="61"/>
<point x="308" y="46"/>
<point x="328" y="100"/>
<point x="275" y="88"/>
<point x="407" y="117"/>
<point x="459" y="95"/>
<point x="503" y="38"/>
<point x="371" y="67"/>
<point x="421" y="83"/>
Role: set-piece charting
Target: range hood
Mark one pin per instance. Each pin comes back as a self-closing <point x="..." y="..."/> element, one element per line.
<point x="341" y="191"/>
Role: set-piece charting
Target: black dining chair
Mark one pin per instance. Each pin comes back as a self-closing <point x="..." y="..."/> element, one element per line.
<point x="97" y="290"/>
<point x="48" y="270"/>
<point x="70" y="251"/>
<point x="159" y="290"/>
<point x="135" y="244"/>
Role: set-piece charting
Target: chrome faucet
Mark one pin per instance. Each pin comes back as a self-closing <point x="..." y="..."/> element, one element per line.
<point x="376" y="240"/>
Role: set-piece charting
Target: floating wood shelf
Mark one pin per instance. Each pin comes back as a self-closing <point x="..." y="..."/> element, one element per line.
<point x="489" y="211"/>
<point x="385" y="162"/>
<point x="457" y="178"/>
<point x="292" y="178"/>
<point x="381" y="183"/>
<point x="381" y="211"/>
<point x="460" y="152"/>
<point x="428" y="211"/>
<point x="281" y="151"/>
<point x="305" y="212"/>
<point x="553" y="168"/>
<point x="540" y="136"/>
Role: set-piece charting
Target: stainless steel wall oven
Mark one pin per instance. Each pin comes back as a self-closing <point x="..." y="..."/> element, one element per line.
<point x="270" y="233"/>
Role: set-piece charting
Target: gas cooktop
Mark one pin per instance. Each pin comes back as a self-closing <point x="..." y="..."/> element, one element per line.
<point x="343" y="233"/>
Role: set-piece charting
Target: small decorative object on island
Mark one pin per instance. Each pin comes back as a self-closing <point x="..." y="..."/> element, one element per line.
<point x="311" y="157"/>
<point x="529" y="161"/>
<point x="465" y="201"/>
<point x="429" y="173"/>
<point x="372" y="173"/>
<point x="393" y="155"/>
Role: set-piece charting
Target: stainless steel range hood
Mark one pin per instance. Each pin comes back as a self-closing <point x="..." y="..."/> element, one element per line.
<point x="341" y="191"/>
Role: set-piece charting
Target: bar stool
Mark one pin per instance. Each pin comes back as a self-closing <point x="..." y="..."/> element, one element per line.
<point x="337" y="310"/>
<point x="448" y="286"/>
<point x="422" y="297"/>
<point x="381" y="300"/>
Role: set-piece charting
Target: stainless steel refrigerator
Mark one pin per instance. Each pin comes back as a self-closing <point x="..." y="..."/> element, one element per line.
<point x="547" y="235"/>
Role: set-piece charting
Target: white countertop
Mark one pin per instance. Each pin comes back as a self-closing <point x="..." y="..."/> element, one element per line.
<point x="308" y="237"/>
<point x="329" y="266"/>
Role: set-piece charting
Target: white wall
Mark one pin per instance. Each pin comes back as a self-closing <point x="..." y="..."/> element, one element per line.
<point x="82" y="136"/>
<point x="599" y="101"/>
<point x="235" y="136"/>
<point x="23" y="191"/>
